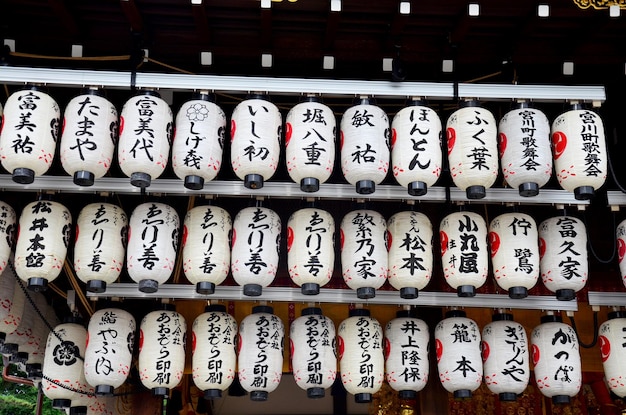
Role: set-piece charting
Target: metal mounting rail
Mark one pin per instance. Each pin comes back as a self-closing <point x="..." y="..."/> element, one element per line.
<point x="616" y="198"/>
<point x="609" y="299"/>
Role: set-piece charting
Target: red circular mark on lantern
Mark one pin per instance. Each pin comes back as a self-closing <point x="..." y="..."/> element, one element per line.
<point x="443" y="238"/>
<point x="605" y="348"/>
<point x="484" y="349"/>
<point x="77" y="231"/>
<point x="87" y="340"/>
<point x="502" y="139"/>
<point x="234" y="237"/>
<point x="389" y="240"/>
<point x="536" y="354"/>
<point x="128" y="236"/>
<point x="340" y="139"/>
<point x="291" y="348"/>
<point x="288" y="132"/>
<point x="19" y="228"/>
<point x="2" y="124"/>
<point x="173" y="134"/>
<point x="621" y="249"/>
<point x="387" y="349"/>
<point x="238" y="344"/>
<point x="121" y="124"/>
<point x="438" y="349"/>
<point x="494" y="243"/>
<point x="340" y="346"/>
<point x="193" y="342"/>
<point x="185" y="234"/>
<point x="233" y="128"/>
<point x="289" y="238"/>
<point x="542" y="247"/>
<point x="394" y="136"/>
<point x="559" y="142"/>
<point x="63" y="126"/>
<point x="451" y="134"/>
<point x="341" y="239"/>
<point x="140" y="339"/>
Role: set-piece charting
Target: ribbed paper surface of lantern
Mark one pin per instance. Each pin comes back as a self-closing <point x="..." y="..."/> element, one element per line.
<point x="255" y="130"/>
<point x="213" y="357"/>
<point x="473" y="149"/>
<point x="564" y="265"/>
<point x="206" y="247"/>
<point x="506" y="361"/>
<point x="146" y="124"/>
<point x="152" y="244"/>
<point x="310" y="130"/>
<point x="410" y="241"/>
<point x="311" y="248"/>
<point x="43" y="237"/>
<point x="29" y="134"/>
<point x="313" y="358"/>
<point x="8" y="228"/>
<point x="525" y="153"/>
<point x="416" y="148"/>
<point x="102" y="405"/>
<point x="613" y="352"/>
<point x="21" y="334"/>
<point x="464" y="257"/>
<point x="579" y="149"/>
<point x="364" y="146"/>
<point x="108" y="355"/>
<point x="90" y="128"/>
<point x="199" y="141"/>
<point x="11" y="302"/>
<point x="364" y="251"/>
<point x="35" y="360"/>
<point x="255" y="244"/>
<point x="100" y="247"/>
<point x="361" y="357"/>
<point x="260" y="356"/>
<point x="513" y="243"/>
<point x="459" y="362"/>
<point x="406" y="355"/>
<point x="556" y="359"/>
<point x="620" y="234"/>
<point x="162" y="350"/>
<point x="37" y="331"/>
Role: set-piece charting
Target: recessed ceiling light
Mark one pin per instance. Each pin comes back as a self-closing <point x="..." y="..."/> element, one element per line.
<point x="473" y="9"/>
<point x="328" y="62"/>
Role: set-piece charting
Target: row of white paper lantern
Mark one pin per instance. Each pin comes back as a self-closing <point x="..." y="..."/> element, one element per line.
<point x="90" y="125"/>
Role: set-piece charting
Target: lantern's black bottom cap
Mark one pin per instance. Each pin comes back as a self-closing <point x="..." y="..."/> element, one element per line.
<point x="148" y="286"/>
<point x="476" y="192"/>
<point x="417" y="188"/>
<point x="528" y="189"/>
<point x="310" y="288"/>
<point x="508" y="396"/>
<point x="518" y="292"/>
<point x="37" y="284"/>
<point x="194" y="182"/>
<point x="19" y="357"/>
<point x="3" y="337"/>
<point x="23" y="175"/>
<point x="407" y="394"/>
<point x="366" y="292"/>
<point x="584" y="192"/>
<point x="104" y="390"/>
<point x="315" y="393"/>
<point x="365" y="187"/>
<point x="96" y="286"/>
<point x="84" y="178"/>
<point x="61" y="403"/>
<point x="409" y="293"/>
<point x="205" y="288"/>
<point x="139" y="179"/>
<point x="252" y="290"/>
<point x="160" y="391"/>
<point x="212" y="394"/>
<point x="259" y="396"/>
<point x="9" y="348"/>
<point x="363" y="398"/>
<point x="309" y="184"/>
<point x="253" y="181"/>
<point x="462" y="394"/>
<point x="565" y="294"/>
<point x="78" y="410"/>
<point x="34" y="370"/>
<point x="466" y="291"/>
<point x="560" y="399"/>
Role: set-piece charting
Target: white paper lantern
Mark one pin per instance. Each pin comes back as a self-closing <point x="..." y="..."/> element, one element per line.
<point x="364" y="145"/>
<point x="459" y="363"/>
<point x="30" y="129"/>
<point x="35" y="360"/>
<point x="213" y="357"/>
<point x="198" y="141"/>
<point x="90" y="129"/>
<point x="580" y="154"/>
<point x="406" y="354"/>
<point x="525" y="154"/>
<point x="43" y="236"/>
<point x="260" y="357"/>
<point x="310" y="131"/>
<point x="313" y="358"/>
<point x="146" y="124"/>
<point x="11" y="303"/>
<point x="506" y="361"/>
<point x="101" y="234"/>
<point x="416" y="147"/>
<point x="108" y="354"/>
<point x="361" y="357"/>
<point x="563" y="252"/>
<point x="364" y="258"/>
<point x="311" y="248"/>
<point x="102" y="405"/>
<point x="620" y="234"/>
<point x="472" y="135"/>
<point x="83" y="399"/>
<point x="255" y="245"/>
<point x="255" y="130"/>
<point x="556" y="359"/>
<point x="613" y="352"/>
<point x="8" y="226"/>
<point x="464" y="257"/>
<point x="152" y="245"/>
<point x="31" y="347"/>
<point x="410" y="241"/>
<point x="23" y="332"/>
<point x="161" y="360"/>
<point x="513" y="242"/>
<point x="206" y="247"/>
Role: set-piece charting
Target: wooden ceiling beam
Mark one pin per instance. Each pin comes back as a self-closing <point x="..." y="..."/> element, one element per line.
<point x="131" y="11"/>
<point x="202" y="22"/>
<point x="67" y="20"/>
<point x="332" y="24"/>
<point x="266" y="29"/>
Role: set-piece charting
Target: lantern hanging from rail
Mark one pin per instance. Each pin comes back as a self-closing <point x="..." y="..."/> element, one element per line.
<point x="30" y="129"/>
<point x="506" y="362"/>
<point x="8" y="226"/>
<point x="21" y="334"/>
<point x="463" y="239"/>
<point x="613" y="352"/>
<point x="100" y="246"/>
<point x="363" y="235"/>
<point x="620" y="234"/>
<point x="260" y="356"/>
<point x="255" y="245"/>
<point x="161" y="360"/>
<point x="152" y="244"/>
<point x="255" y="131"/>
<point x="313" y="357"/>
<point x="563" y="253"/>
<point x="513" y="243"/>
<point x="43" y="237"/>
<point x="556" y="359"/>
<point x="361" y="357"/>
<point x="310" y="248"/>
<point x="410" y="241"/>
<point x="525" y="154"/>
<point x="579" y="149"/>
<point x="31" y="351"/>
<point x="109" y="349"/>
<point x="83" y="399"/>
<point x="364" y="145"/>
<point x="406" y="354"/>
<point x="146" y="125"/>
<point x="12" y="300"/>
<point x="416" y="147"/>
<point x="35" y="360"/>
<point x="206" y="247"/>
<point x="198" y="140"/>
<point x="472" y="135"/>
<point x="310" y="131"/>
<point x="213" y="357"/>
<point x="88" y="137"/>
<point x="459" y="363"/>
